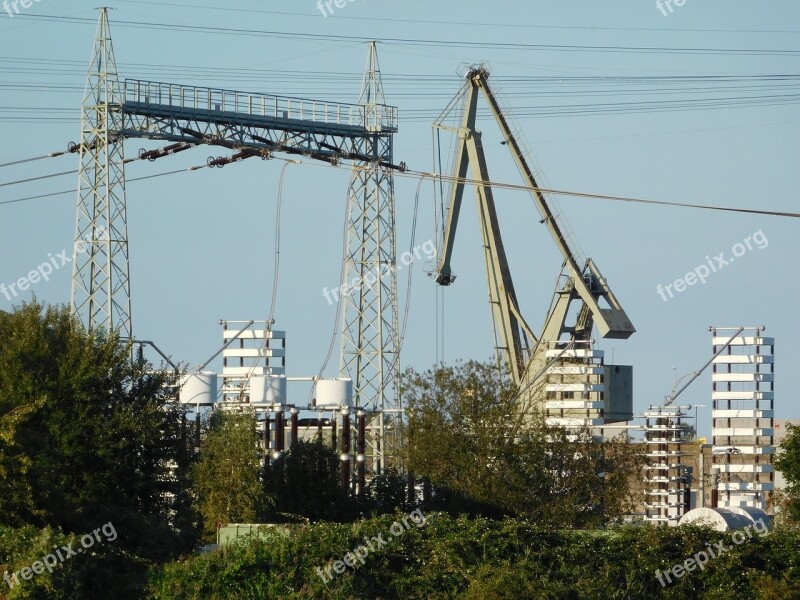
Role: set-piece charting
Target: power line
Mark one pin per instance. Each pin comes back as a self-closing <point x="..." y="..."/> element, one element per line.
<point x="417" y="115"/>
<point x="425" y="42"/>
<point x="35" y="158"/>
<point x="61" y="193"/>
<point x="39" y="178"/>
<point x="450" y="179"/>
<point x="521" y="187"/>
<point x="316" y="15"/>
<point x="50" y="176"/>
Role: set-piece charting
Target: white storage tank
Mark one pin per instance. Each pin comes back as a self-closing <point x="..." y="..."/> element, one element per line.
<point x="199" y="388"/>
<point x="334" y="393"/>
<point x="268" y="389"/>
<point x="721" y="519"/>
<point x="752" y="513"/>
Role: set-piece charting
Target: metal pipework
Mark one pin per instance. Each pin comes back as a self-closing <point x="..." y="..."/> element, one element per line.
<point x="361" y="452"/>
<point x="344" y="457"/>
<point x="279" y="433"/>
<point x="267" y="441"/>
<point x="294" y="419"/>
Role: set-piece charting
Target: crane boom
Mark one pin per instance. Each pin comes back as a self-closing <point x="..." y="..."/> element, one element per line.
<point x="509" y="325"/>
<point x="612" y="322"/>
<point x="584" y="283"/>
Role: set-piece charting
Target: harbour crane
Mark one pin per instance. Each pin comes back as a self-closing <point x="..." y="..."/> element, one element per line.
<point x="582" y="288"/>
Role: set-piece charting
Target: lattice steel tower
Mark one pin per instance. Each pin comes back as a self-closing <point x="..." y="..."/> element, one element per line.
<point x="369" y="349"/>
<point x="100" y="270"/>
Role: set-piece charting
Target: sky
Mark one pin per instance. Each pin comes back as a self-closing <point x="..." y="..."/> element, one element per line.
<point x="694" y="104"/>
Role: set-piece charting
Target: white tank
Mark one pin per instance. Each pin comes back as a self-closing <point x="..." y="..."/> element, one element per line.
<point x="335" y="392"/>
<point x="268" y="389"/>
<point x="752" y="513"/>
<point x="721" y="519"/>
<point x="199" y="388"/>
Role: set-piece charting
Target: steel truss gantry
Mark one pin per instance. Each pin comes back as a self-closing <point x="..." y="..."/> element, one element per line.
<point x="248" y="125"/>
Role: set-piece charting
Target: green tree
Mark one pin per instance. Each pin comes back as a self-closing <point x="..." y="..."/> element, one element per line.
<point x="86" y="435"/>
<point x="227" y="475"/>
<point x="469" y="436"/>
<point x="788" y="463"/>
<point x="305" y="482"/>
<point x="388" y="492"/>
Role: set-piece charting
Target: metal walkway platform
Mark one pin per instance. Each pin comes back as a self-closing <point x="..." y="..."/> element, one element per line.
<point x="169" y="102"/>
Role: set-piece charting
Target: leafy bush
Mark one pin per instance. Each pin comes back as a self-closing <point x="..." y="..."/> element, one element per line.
<point x="104" y="571"/>
<point x="483" y="559"/>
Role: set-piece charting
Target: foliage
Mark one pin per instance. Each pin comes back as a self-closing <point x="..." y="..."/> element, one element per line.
<point x="788" y="463"/>
<point x="467" y="436"/>
<point x="477" y="558"/>
<point x="227" y="476"/>
<point x="104" y="571"/>
<point x="388" y="492"/>
<point x="85" y="434"/>
<point x="305" y="483"/>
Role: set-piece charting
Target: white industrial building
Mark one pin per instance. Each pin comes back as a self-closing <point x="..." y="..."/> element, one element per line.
<point x="742" y="417"/>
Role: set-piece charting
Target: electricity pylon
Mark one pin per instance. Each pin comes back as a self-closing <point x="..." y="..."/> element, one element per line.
<point x="100" y="269"/>
<point x="370" y="344"/>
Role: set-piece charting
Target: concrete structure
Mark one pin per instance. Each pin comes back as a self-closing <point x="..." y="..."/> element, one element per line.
<point x="574" y="387"/>
<point x="668" y="477"/>
<point x="256" y="351"/>
<point x="742" y="417"/>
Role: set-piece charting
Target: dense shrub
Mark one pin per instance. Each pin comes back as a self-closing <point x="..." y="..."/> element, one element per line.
<point x="484" y="559"/>
<point x="102" y="571"/>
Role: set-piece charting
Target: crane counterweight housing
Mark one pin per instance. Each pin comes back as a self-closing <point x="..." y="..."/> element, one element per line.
<point x="560" y="374"/>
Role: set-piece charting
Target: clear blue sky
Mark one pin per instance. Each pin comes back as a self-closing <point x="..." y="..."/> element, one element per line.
<point x="201" y="243"/>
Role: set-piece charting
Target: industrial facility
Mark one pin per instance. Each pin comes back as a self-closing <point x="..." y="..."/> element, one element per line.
<point x="563" y="375"/>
